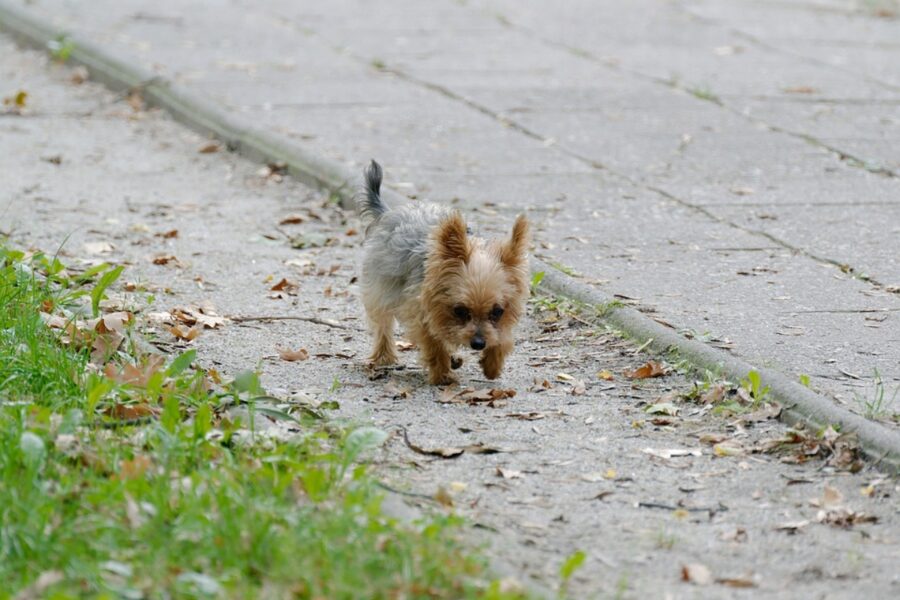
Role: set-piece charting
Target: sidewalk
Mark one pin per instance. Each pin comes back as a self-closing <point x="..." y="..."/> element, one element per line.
<point x="555" y="469"/>
<point x="730" y="167"/>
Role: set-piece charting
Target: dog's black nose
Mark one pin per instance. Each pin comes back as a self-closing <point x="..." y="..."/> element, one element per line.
<point x="477" y="343"/>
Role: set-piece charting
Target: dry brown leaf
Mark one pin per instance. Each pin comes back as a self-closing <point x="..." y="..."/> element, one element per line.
<point x="166" y="260"/>
<point x="183" y="332"/>
<point x="80" y="74"/>
<point x="696" y="573"/>
<point x="167" y="235"/>
<point x="209" y="148"/>
<point x="293" y="355"/>
<point x="493" y="397"/>
<point x="285" y="285"/>
<point x="800" y="89"/>
<point x="292" y="220"/>
<point x="526" y="416"/>
<point x="605" y="375"/>
<point x="736" y="582"/>
<point x="130" y="412"/>
<point x="203" y="314"/>
<point x="134" y="468"/>
<point x="135" y="375"/>
<point x="651" y="368"/>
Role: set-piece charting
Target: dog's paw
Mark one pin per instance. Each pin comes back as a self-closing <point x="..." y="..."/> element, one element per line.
<point x="456" y="362"/>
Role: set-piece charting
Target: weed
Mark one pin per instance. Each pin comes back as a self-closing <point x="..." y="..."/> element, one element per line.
<point x="754" y="387"/>
<point x="572" y="563"/>
<point x="878" y="406"/>
<point x="564" y="269"/>
<point x="61" y="48"/>
<point x="378" y="64"/>
<point x="705" y="93"/>
<point x="536" y="280"/>
<point x="665" y="540"/>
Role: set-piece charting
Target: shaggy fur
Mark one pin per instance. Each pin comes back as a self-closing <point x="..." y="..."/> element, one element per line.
<point x="447" y="288"/>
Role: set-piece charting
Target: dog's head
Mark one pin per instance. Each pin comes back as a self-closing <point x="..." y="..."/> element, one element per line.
<point x="474" y="291"/>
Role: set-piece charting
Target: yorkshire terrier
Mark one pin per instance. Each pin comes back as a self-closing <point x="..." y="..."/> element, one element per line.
<point x="446" y="288"/>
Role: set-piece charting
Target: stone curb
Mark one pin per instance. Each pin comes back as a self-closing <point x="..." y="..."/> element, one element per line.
<point x="801" y="405"/>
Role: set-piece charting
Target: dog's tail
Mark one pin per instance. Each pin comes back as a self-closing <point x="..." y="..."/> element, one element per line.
<point x="369" y="204"/>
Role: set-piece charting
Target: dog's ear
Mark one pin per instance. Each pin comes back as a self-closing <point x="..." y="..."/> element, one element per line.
<point x="451" y="240"/>
<point x="512" y="252"/>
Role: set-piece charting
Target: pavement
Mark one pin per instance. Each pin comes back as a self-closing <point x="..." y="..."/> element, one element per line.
<point x="666" y="497"/>
<point x="729" y="167"/>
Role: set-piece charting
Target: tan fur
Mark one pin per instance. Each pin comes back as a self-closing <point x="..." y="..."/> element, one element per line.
<point x="460" y="271"/>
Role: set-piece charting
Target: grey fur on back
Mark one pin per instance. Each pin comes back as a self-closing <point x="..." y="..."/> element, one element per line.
<point x="397" y="244"/>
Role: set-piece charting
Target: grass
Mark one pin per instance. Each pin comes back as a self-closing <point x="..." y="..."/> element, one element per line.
<point x="185" y="501"/>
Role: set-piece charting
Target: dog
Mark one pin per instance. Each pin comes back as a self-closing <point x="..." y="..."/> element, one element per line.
<point x="446" y="287"/>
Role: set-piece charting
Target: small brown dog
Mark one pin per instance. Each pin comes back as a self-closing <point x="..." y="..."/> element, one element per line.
<point x="447" y="288"/>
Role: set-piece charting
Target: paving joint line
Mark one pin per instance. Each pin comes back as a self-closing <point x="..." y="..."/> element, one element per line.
<point x="800" y="404"/>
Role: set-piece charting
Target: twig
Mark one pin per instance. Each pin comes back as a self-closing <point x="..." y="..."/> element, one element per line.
<point x="316" y="320"/>
<point x="709" y="509"/>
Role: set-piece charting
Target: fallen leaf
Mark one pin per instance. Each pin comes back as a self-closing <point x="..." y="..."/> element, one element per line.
<point x="183" y="332"/>
<point x="293" y="355"/>
<point x="526" y="416"/>
<point x="203" y="314"/>
<point x="728" y="448"/>
<point x="292" y="220"/>
<point x="443" y="497"/>
<point x="605" y="375"/>
<point x="493" y="397"/>
<point x="17" y="100"/>
<point x="98" y="247"/>
<point x="736" y="582"/>
<point x="663" y="408"/>
<point x="285" y="285"/>
<point x="134" y="468"/>
<point x="509" y="473"/>
<point x="80" y="74"/>
<point x="649" y="369"/>
<point x="395" y="391"/>
<point x="672" y="452"/>
<point x="209" y="148"/>
<point x="800" y="89"/>
<point x="742" y="191"/>
<point x="696" y="573"/>
<point x="130" y="412"/>
<point x="167" y="235"/>
<point x="792" y="527"/>
<point x="166" y="260"/>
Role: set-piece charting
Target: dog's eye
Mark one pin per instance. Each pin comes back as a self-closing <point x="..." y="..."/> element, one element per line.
<point x="461" y="312"/>
<point x="496" y="313"/>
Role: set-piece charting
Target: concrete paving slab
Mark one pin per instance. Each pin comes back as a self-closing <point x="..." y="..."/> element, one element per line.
<point x="451" y="81"/>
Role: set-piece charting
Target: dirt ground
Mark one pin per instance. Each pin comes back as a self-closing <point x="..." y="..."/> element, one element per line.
<point x="665" y="497"/>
